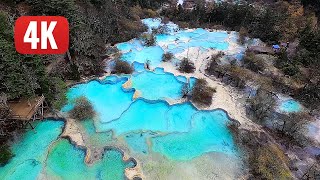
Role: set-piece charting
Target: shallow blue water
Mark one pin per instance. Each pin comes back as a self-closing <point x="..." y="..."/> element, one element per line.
<point x="141" y="116"/>
<point x="290" y="106"/>
<point x="192" y="81"/>
<point x="41" y="151"/>
<point x="65" y="161"/>
<point x="165" y="38"/>
<point x="190" y="132"/>
<point x="138" y="67"/>
<point x="176" y="50"/>
<point x="159" y="71"/>
<point x="152" y="23"/>
<point x="209" y="133"/>
<point x="198" y="38"/>
<point x="129" y="46"/>
<point x="159" y="85"/>
<point x="111" y="79"/>
<point x="179" y="117"/>
<point x="182" y="123"/>
<point x="108" y="100"/>
<point x="95" y="139"/>
<point x="30" y="152"/>
<point x="177" y="41"/>
<point x="152" y="54"/>
<point x="138" y="141"/>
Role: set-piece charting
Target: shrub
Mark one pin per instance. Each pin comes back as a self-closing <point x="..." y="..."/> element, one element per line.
<point x="243" y="33"/>
<point x="266" y="160"/>
<point x="122" y="67"/>
<point x="290" y="69"/>
<point x="269" y="162"/>
<point x="313" y="171"/>
<point x="186" y="66"/>
<point x="82" y="110"/>
<point x="148" y="39"/>
<point x="163" y="29"/>
<point x="212" y="67"/>
<point x="4" y="111"/>
<point x="5" y="155"/>
<point x="202" y="93"/>
<point x="213" y="64"/>
<point x="288" y="66"/>
<point x="183" y="24"/>
<point x="309" y="95"/>
<point x="293" y="126"/>
<point x="167" y="57"/>
<point x="150" y="13"/>
<point x="137" y="12"/>
<point x="57" y="93"/>
<point x="185" y="90"/>
<point x="262" y="105"/>
<point x="253" y="62"/>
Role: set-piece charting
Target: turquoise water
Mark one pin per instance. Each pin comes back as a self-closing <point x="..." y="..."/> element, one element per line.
<point x="67" y="162"/>
<point x="111" y="79"/>
<point x="42" y="151"/>
<point x="152" y="23"/>
<point x="138" y="141"/>
<point x="152" y="54"/>
<point x="138" y="67"/>
<point x="197" y="38"/>
<point x="179" y="117"/>
<point x="108" y="100"/>
<point x="159" y="85"/>
<point x="209" y="133"/>
<point x="176" y="41"/>
<point x="30" y="152"/>
<point x="192" y="81"/>
<point x="141" y="116"/>
<point x="173" y="127"/>
<point x="155" y="116"/>
<point x="177" y="128"/>
<point x="176" y="50"/>
<point x="190" y="132"/>
<point x="129" y="46"/>
<point x="290" y="106"/>
<point x="94" y="139"/>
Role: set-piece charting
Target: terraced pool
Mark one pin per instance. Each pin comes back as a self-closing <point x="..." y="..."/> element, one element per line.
<point x="177" y="41"/>
<point x="147" y="127"/>
<point x="42" y="154"/>
<point x="177" y="126"/>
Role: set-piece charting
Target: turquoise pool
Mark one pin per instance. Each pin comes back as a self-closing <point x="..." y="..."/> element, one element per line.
<point x="290" y="106"/>
<point x="31" y="151"/>
<point x="67" y="162"/>
<point x="152" y="54"/>
<point x="208" y="134"/>
<point x="177" y="41"/>
<point x="150" y="124"/>
<point x="158" y="85"/>
<point x="41" y="153"/>
<point x="109" y="99"/>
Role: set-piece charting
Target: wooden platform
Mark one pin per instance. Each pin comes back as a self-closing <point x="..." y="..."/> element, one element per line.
<point x="25" y="110"/>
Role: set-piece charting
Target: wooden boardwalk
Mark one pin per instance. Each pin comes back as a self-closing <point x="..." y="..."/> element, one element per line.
<point x="27" y="110"/>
